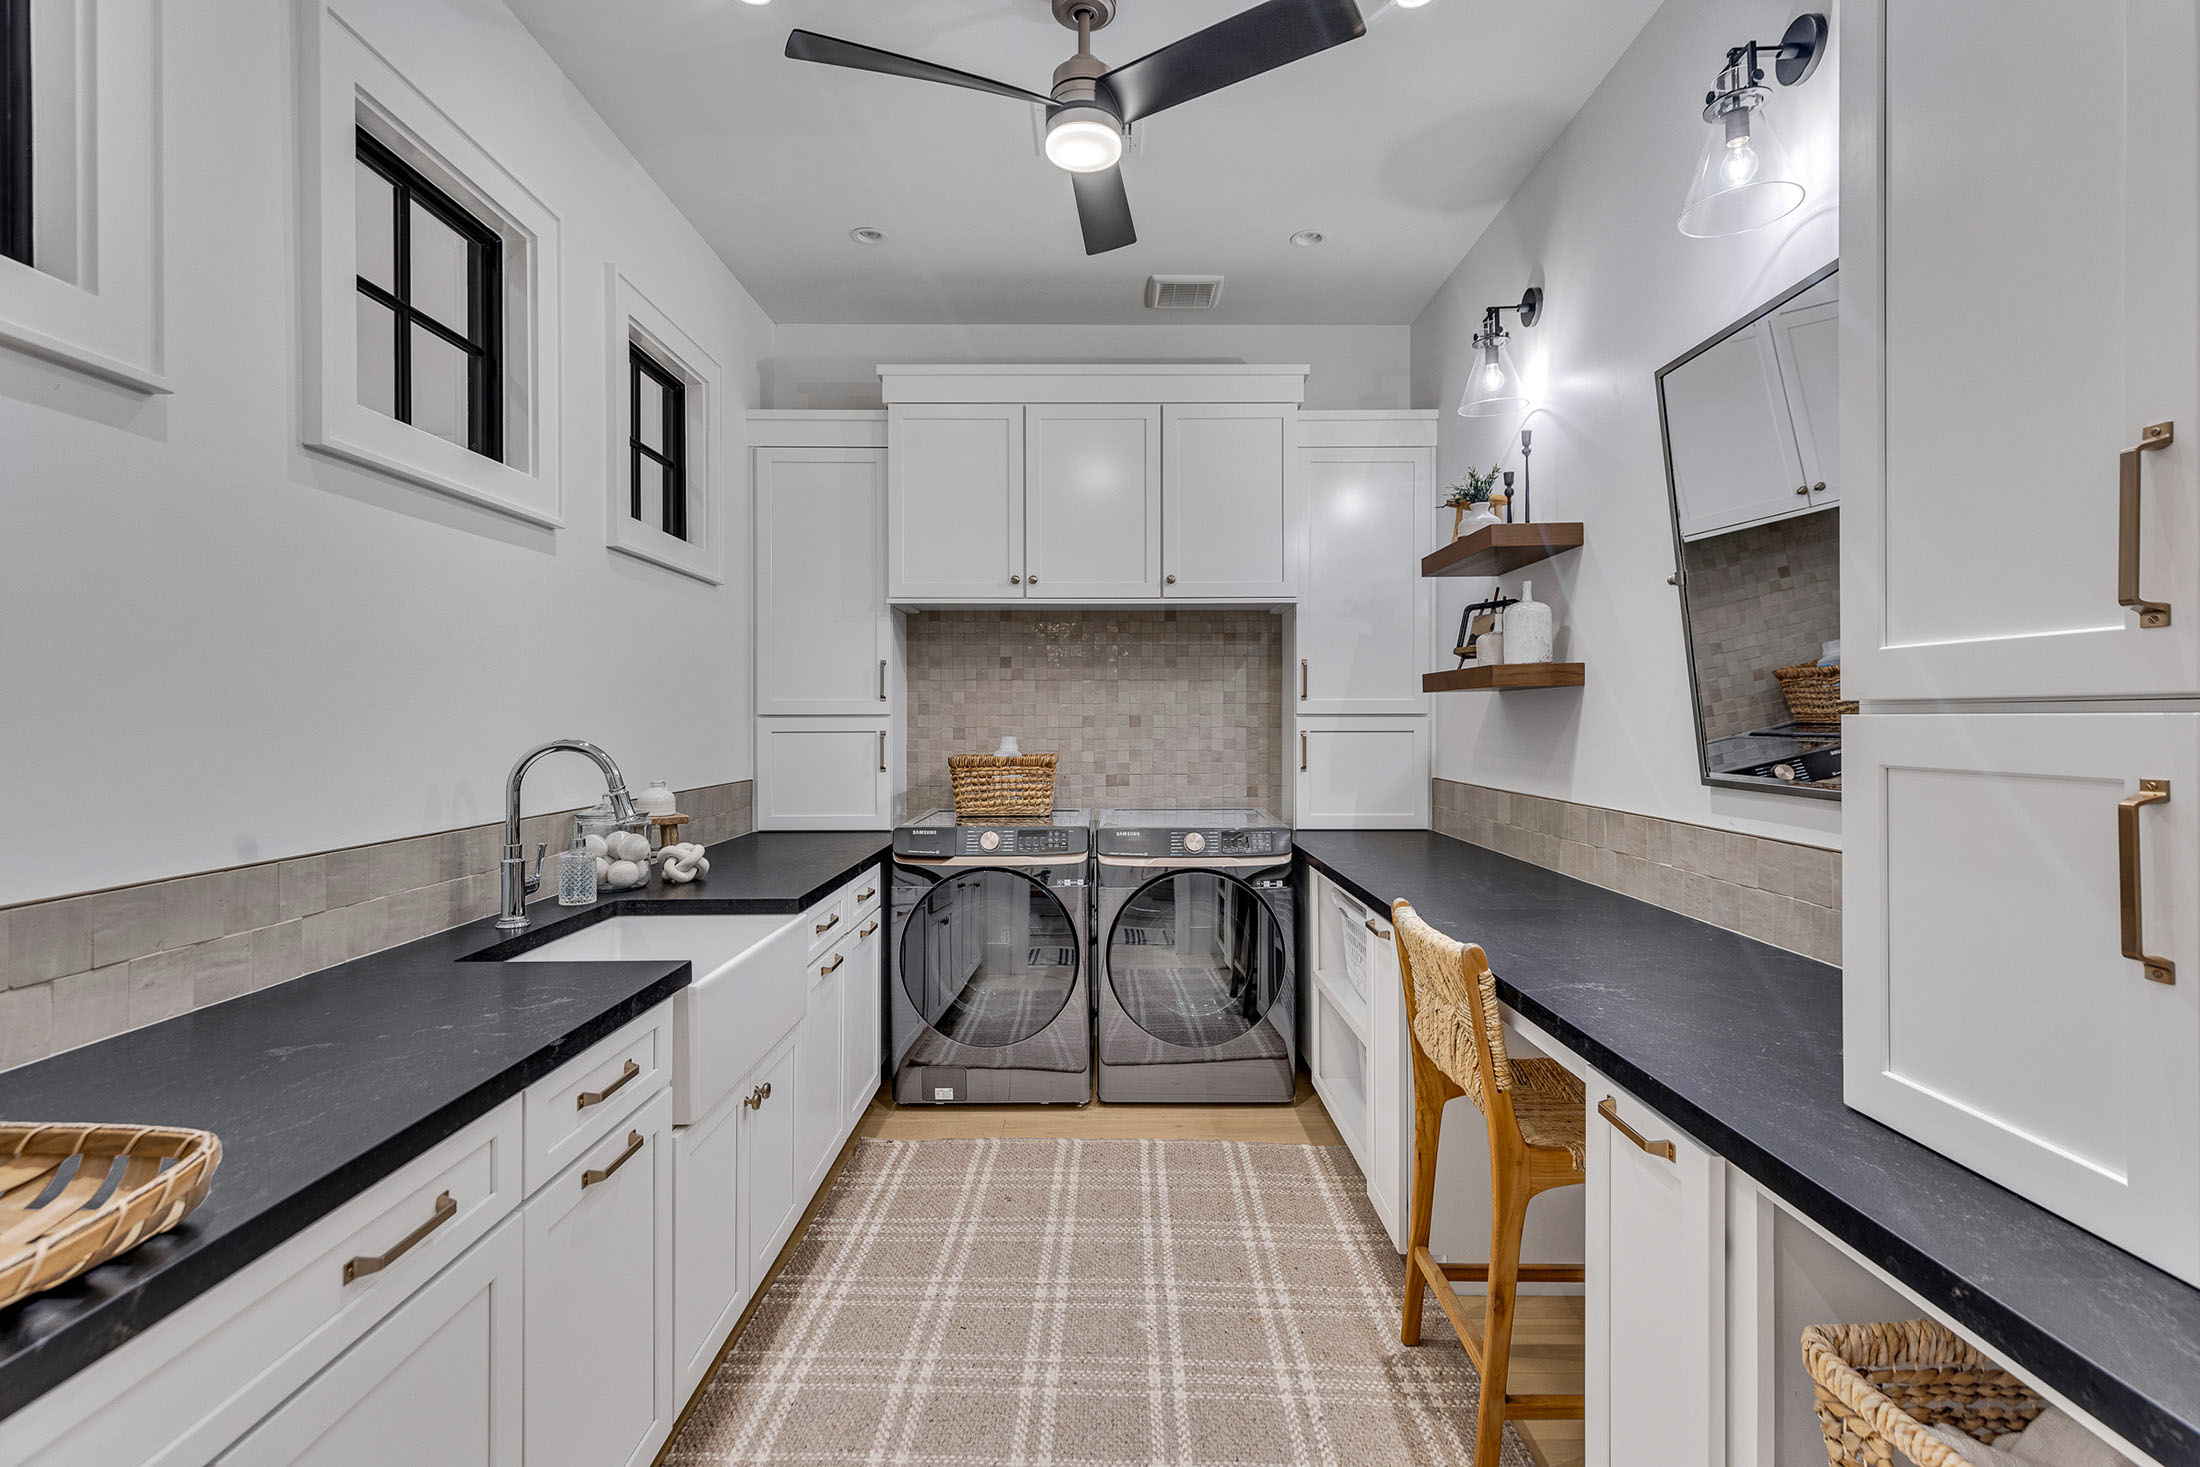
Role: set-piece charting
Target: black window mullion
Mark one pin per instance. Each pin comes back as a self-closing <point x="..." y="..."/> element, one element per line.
<point x="401" y="277"/>
<point x="676" y="470"/>
<point x="634" y="429"/>
<point x="15" y="130"/>
<point x="672" y="431"/>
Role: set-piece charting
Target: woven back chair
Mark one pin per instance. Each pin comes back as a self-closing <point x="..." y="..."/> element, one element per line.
<point x="1535" y="1114"/>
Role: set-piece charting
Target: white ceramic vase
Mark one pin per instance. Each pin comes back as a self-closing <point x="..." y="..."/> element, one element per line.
<point x="1528" y="628"/>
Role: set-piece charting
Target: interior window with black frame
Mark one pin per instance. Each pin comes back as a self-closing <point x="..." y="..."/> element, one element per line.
<point x="429" y="302"/>
<point x="15" y="130"/>
<point x="657" y="444"/>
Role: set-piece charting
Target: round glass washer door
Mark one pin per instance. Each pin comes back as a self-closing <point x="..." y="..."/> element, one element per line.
<point x="1196" y="958"/>
<point x="989" y="957"/>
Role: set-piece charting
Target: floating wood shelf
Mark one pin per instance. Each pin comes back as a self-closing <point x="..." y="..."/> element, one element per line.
<point x="1496" y="550"/>
<point x="1499" y="677"/>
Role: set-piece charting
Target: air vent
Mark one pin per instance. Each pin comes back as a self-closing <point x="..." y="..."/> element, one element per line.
<point x="1183" y="292"/>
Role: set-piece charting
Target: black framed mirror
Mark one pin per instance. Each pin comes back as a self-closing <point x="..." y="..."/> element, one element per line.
<point x="1751" y="425"/>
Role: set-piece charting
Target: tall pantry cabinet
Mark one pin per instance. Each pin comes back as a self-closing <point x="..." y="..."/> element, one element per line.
<point x="829" y="684"/>
<point x="2021" y="600"/>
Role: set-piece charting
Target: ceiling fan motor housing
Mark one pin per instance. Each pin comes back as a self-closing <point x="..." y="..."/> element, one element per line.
<point x="1101" y="12"/>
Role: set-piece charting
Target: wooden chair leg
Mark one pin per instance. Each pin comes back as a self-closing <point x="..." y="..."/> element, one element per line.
<point x="1428" y="1125"/>
<point x="1508" y="1217"/>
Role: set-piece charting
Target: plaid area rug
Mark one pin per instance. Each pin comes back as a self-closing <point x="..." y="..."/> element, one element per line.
<point x="1089" y="1304"/>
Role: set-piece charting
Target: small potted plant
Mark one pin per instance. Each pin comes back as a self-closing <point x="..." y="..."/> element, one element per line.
<point x="1470" y="502"/>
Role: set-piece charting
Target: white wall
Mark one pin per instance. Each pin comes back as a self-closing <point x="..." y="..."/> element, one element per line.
<point x="836" y="366"/>
<point x="218" y="647"/>
<point x="1626" y="293"/>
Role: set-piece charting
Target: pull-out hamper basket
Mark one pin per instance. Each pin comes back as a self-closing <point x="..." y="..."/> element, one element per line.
<point x="1878" y="1387"/>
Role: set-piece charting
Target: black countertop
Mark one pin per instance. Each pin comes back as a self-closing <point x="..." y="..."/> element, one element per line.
<point x="320" y="1087"/>
<point x="1739" y="1044"/>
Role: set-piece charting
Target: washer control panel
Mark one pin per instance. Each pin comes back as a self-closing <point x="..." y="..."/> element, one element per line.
<point x="940" y="836"/>
<point x="1232" y="834"/>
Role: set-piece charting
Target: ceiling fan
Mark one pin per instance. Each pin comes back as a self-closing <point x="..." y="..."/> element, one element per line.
<point x="1091" y="105"/>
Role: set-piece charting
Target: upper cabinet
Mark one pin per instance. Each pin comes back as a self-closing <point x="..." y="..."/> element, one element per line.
<point x="1092" y="500"/>
<point x="2022" y="352"/>
<point x="1362" y="621"/>
<point x="824" y="635"/>
<point x="1092" y="484"/>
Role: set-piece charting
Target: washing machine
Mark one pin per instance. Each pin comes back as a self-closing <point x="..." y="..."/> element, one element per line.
<point x="1194" y="939"/>
<point x="992" y="949"/>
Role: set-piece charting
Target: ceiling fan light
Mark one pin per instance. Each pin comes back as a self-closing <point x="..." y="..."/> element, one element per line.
<point x="1084" y="140"/>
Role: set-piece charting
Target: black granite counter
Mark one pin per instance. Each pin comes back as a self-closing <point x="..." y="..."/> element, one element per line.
<point x="320" y="1087"/>
<point x="1739" y="1044"/>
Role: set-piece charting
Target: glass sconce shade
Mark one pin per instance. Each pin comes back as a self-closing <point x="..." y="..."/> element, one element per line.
<point x="1743" y="178"/>
<point x="1493" y="383"/>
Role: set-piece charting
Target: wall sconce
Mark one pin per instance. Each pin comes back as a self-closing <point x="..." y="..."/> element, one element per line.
<point x="1743" y="179"/>
<point x="1493" y="382"/>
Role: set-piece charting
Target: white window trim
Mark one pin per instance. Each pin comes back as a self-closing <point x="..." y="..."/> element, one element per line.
<point x="347" y="84"/>
<point x="113" y="329"/>
<point x="636" y="321"/>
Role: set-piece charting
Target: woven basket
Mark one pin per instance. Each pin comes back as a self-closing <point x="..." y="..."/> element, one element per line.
<point x="49" y="1245"/>
<point x="1879" y="1386"/>
<point x="1813" y="693"/>
<point x="993" y="784"/>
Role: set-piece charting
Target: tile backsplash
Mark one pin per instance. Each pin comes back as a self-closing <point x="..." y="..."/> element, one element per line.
<point x="1145" y="708"/>
<point x="77" y="969"/>
<point x="1760" y="598"/>
<point x="1774" y="890"/>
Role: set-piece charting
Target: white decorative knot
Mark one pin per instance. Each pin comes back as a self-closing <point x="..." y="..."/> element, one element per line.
<point x="683" y="863"/>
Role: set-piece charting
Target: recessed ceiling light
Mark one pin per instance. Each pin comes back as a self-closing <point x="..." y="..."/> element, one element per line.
<point x="1402" y="4"/>
<point x="865" y="235"/>
<point x="1307" y="238"/>
<point x="767" y="2"/>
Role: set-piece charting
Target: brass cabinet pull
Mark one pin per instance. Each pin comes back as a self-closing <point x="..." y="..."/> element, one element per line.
<point x="827" y="972"/>
<point x="868" y="929"/>
<point x="882" y="679"/>
<point x="1302" y="751"/>
<point x="2151" y="792"/>
<point x="882" y="751"/>
<point x="2151" y="613"/>
<point x="755" y="1099"/>
<point x="1302" y="680"/>
<point x="360" y="1267"/>
<point x="829" y="923"/>
<point x="866" y="894"/>
<point x="1380" y="935"/>
<point x="592" y="1176"/>
<point x="588" y="1098"/>
<point x="1608" y="1108"/>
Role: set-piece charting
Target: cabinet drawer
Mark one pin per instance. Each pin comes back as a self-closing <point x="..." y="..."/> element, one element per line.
<point x="580" y="1103"/>
<point x="865" y="892"/>
<point x="178" y="1394"/>
<point x="827" y="922"/>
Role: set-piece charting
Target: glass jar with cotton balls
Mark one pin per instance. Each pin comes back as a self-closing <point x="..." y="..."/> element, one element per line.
<point x="621" y="847"/>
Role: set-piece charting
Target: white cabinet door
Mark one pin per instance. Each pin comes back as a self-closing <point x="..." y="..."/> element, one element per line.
<point x="771" y="1200"/>
<point x="862" y="1005"/>
<point x="438" y="1381"/>
<point x="819" y="1086"/>
<point x="1989" y="1010"/>
<point x="2028" y="305"/>
<point x="1363" y="611"/>
<point x="1229" y="500"/>
<point x="1807" y="339"/>
<point x="1092" y="500"/>
<point x="955" y="501"/>
<point x="1730" y="437"/>
<point x="599" y="1366"/>
<point x="823" y="631"/>
<point x="708" y="1284"/>
<point x="823" y="774"/>
<point x="1368" y="773"/>
<point x="1656" y="1301"/>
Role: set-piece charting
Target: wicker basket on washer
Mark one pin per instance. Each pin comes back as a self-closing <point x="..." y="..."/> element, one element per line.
<point x="1002" y="784"/>
<point x="1813" y="693"/>
<point x="1878" y="1387"/>
<point x="52" y="1244"/>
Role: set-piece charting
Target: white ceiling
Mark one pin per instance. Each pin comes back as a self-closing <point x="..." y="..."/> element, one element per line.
<point x="1399" y="147"/>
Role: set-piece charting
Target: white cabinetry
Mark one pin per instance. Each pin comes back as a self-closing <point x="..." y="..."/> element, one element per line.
<point x="820" y="1087"/>
<point x="824" y="636"/>
<point x="1806" y="336"/>
<point x="1230" y="524"/>
<point x="862" y="1021"/>
<point x="771" y="1199"/>
<point x="599" y="1367"/>
<point x="1364" y="773"/>
<point x="824" y="773"/>
<point x="1989" y="1008"/>
<point x="1656" y="1356"/>
<point x="1997" y="370"/>
<point x="707" y="1258"/>
<point x="1092" y="500"/>
<point x="438" y="1381"/>
<point x="1363" y="613"/>
<point x="955" y="497"/>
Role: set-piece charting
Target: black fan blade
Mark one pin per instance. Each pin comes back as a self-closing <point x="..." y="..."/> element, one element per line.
<point x="832" y="51"/>
<point x="1104" y="210"/>
<point x="1247" y="44"/>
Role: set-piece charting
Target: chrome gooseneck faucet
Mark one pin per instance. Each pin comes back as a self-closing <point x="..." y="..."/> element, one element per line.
<point x="514" y="883"/>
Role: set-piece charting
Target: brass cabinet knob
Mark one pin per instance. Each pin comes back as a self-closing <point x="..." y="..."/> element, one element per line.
<point x="1802" y="488"/>
<point x="1170" y="579"/>
<point x="1015" y="580"/>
